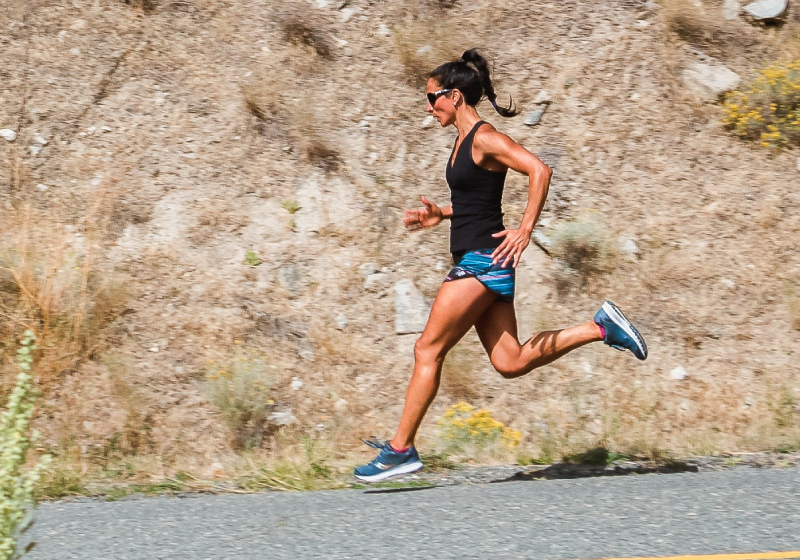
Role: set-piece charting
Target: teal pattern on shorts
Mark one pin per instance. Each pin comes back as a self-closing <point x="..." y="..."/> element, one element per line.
<point x="478" y="264"/>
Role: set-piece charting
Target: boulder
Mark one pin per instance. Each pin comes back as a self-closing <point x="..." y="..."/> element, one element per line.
<point x="8" y="134"/>
<point x="535" y="116"/>
<point x="767" y="10"/>
<point x="708" y="79"/>
<point x="410" y="310"/>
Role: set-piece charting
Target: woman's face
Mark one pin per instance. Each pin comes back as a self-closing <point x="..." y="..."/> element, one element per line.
<point x="442" y="109"/>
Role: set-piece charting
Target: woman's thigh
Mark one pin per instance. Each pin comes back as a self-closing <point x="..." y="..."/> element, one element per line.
<point x="497" y="330"/>
<point x="457" y="307"/>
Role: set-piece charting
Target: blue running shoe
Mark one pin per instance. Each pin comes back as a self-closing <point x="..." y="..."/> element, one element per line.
<point x="620" y="333"/>
<point x="388" y="463"/>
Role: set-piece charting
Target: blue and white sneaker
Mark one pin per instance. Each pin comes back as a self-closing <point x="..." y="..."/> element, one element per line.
<point x="620" y="333"/>
<point x="388" y="463"/>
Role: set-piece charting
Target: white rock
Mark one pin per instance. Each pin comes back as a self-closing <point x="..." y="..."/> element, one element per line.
<point x="628" y="246"/>
<point x="75" y="51"/>
<point x="154" y="348"/>
<point x="678" y="373"/>
<point x="730" y="9"/>
<point x="35" y="150"/>
<point x="105" y="129"/>
<point x="764" y="10"/>
<point x="78" y="24"/>
<point x="9" y="135"/>
<point x="62" y="35"/>
<point x="798" y="164"/>
<point x="340" y="405"/>
<point x="297" y="384"/>
<point x="363" y="123"/>
<point x="410" y="310"/>
<point x="428" y="121"/>
<point x="424" y="49"/>
<point x="384" y="30"/>
<point x="347" y="14"/>
<point x="533" y="118"/>
<point x="709" y="79"/>
<point x="41" y="140"/>
<point x="282" y="418"/>
<point x="730" y="284"/>
<point x="341" y="321"/>
<point x="542" y="97"/>
<point x="42" y="187"/>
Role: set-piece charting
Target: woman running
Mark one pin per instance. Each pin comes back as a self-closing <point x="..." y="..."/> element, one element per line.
<point x="479" y="290"/>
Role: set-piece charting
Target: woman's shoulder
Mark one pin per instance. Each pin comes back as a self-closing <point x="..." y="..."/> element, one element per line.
<point x="489" y="139"/>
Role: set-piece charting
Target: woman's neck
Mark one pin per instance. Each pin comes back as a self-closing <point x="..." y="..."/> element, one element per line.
<point x="466" y="117"/>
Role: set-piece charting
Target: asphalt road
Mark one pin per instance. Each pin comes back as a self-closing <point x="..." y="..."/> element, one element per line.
<point x="738" y="510"/>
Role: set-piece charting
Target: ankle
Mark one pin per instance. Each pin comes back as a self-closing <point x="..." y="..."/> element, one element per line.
<point x="400" y="448"/>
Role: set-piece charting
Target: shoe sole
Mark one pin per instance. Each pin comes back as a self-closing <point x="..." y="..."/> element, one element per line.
<point x="400" y="469"/>
<point x="622" y="322"/>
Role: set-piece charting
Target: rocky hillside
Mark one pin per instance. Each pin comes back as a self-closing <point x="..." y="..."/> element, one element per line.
<point x="210" y="190"/>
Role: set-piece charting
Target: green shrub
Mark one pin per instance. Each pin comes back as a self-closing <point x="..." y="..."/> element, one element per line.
<point x="240" y="387"/>
<point x="462" y="424"/>
<point x="768" y="111"/>
<point x="16" y="485"/>
<point x="585" y="247"/>
<point x="251" y="258"/>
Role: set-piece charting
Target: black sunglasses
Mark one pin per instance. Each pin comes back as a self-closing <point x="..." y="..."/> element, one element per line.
<point x="432" y="97"/>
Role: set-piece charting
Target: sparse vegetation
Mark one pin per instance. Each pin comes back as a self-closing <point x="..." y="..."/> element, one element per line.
<point x="768" y="111"/>
<point x="241" y="387"/>
<point x="17" y="486"/>
<point x="424" y="42"/>
<point x="299" y="28"/>
<point x="792" y="296"/>
<point x="251" y="258"/>
<point x="462" y="425"/>
<point x="584" y="246"/>
<point x="291" y="206"/>
<point x="50" y="280"/>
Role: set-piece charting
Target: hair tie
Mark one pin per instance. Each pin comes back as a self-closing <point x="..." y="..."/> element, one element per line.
<point x="494" y="103"/>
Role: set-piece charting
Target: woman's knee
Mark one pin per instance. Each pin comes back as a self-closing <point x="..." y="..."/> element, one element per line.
<point x="426" y="351"/>
<point x="508" y="367"/>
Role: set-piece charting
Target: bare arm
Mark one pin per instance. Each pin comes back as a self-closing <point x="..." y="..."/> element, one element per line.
<point x="426" y="217"/>
<point x="492" y="146"/>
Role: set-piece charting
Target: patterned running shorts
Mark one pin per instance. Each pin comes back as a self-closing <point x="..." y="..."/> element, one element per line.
<point x="478" y="264"/>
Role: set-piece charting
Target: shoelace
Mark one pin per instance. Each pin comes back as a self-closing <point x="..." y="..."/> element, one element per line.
<point x="372" y="441"/>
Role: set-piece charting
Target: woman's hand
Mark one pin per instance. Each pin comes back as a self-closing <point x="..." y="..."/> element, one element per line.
<point x="510" y="250"/>
<point x="419" y="218"/>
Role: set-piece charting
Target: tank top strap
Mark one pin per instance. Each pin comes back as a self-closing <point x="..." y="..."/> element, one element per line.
<point x="469" y="139"/>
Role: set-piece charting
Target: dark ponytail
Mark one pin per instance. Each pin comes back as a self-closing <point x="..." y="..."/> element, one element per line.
<point x="470" y="75"/>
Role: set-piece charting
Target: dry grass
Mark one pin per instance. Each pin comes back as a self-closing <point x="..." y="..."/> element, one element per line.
<point x="52" y="282"/>
<point x="693" y="23"/>
<point x="424" y="39"/>
<point x="301" y="28"/>
<point x="145" y="5"/>
<point x="793" y="304"/>
<point x="587" y="250"/>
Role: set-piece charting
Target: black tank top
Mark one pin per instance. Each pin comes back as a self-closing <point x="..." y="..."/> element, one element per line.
<point x="476" y="194"/>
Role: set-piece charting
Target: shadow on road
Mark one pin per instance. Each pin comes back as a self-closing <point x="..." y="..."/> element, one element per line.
<point x="568" y="470"/>
<point x="394" y="490"/>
